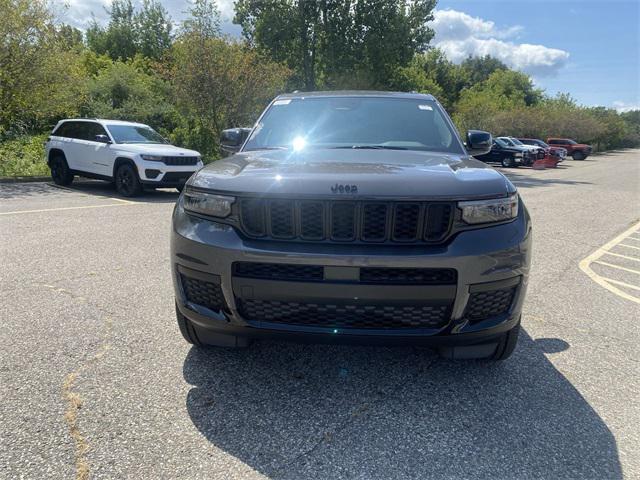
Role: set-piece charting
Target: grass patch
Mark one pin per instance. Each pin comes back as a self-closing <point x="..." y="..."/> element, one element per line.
<point x="23" y="156"/>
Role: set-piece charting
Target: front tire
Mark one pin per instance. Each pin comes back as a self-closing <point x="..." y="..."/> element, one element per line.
<point x="126" y="179"/>
<point x="578" y="156"/>
<point x="60" y="172"/>
<point x="508" y="162"/>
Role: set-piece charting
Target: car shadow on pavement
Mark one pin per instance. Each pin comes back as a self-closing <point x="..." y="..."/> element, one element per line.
<point x="86" y="187"/>
<point x="319" y="411"/>
<point x="25" y="190"/>
<point x="98" y="187"/>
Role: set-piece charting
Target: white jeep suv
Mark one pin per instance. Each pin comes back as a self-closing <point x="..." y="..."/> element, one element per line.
<point x="131" y="155"/>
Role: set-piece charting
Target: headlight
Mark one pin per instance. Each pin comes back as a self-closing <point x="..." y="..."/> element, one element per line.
<point x="207" y="203"/>
<point x="152" y="158"/>
<point x="517" y="155"/>
<point x="488" y="211"/>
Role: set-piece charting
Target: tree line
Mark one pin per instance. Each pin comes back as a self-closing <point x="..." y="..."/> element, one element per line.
<point x="189" y="81"/>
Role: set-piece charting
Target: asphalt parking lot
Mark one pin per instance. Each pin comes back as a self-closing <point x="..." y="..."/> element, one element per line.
<point x="95" y="380"/>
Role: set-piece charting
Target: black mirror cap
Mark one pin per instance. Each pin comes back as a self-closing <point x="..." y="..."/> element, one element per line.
<point x="102" y="138"/>
<point x="232" y="139"/>
<point x="478" y="142"/>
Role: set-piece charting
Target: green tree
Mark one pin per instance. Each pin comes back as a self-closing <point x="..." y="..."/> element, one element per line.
<point x="432" y="72"/>
<point x="40" y="79"/>
<point x="329" y="42"/>
<point x="219" y="84"/>
<point x="68" y="37"/>
<point x="153" y="29"/>
<point x="119" y="38"/>
<point x="123" y="90"/>
<point x="478" y="69"/>
<point x="203" y="20"/>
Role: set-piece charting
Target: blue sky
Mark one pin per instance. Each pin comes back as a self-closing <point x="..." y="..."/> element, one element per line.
<point x="588" y="48"/>
<point x="601" y="38"/>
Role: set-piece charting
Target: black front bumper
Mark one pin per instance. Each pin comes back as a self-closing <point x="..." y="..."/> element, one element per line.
<point x="341" y="305"/>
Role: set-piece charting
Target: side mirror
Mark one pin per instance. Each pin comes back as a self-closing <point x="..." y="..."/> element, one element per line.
<point x="232" y="139"/>
<point x="478" y="142"/>
<point x="102" y="138"/>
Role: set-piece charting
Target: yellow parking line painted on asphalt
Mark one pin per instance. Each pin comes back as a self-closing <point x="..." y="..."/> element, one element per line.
<point x="617" y="266"/>
<point x="585" y="265"/>
<point x="17" y="212"/>
<point x="628" y="246"/>
<point x="623" y="256"/>
<point x="622" y="284"/>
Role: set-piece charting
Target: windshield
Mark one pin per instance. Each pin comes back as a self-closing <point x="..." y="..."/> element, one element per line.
<point x="135" y="134"/>
<point x="354" y="122"/>
<point x="515" y="141"/>
<point x="505" y="142"/>
<point x="570" y="142"/>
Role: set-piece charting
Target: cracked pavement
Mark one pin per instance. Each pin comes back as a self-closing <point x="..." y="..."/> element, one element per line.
<point x="86" y="292"/>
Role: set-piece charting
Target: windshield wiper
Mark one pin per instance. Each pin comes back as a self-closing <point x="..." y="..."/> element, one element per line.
<point x="373" y="147"/>
<point x="266" y="148"/>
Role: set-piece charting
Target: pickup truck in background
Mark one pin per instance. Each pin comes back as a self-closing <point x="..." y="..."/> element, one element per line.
<point x="578" y="151"/>
<point x="507" y="154"/>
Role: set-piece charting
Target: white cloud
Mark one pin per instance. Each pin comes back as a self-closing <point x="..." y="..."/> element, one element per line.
<point x="621" y="106"/>
<point x="460" y="35"/>
<point x="455" y="25"/>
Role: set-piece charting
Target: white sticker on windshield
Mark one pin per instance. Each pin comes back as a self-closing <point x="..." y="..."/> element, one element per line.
<point x="285" y="101"/>
<point x="425" y="107"/>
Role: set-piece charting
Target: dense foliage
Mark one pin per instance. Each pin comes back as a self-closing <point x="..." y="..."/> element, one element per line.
<point x="189" y="81"/>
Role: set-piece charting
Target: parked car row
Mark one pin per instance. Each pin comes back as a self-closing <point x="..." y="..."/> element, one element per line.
<point x="513" y="152"/>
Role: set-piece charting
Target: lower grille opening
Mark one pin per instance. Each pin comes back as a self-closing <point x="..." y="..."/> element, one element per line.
<point x="278" y="271"/>
<point x="345" y="316"/>
<point x="483" y="305"/>
<point x="176" y="177"/>
<point x="408" y="276"/>
<point x="371" y="275"/>
<point x="200" y="292"/>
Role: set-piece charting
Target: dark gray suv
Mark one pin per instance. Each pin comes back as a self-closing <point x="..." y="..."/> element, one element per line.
<point x="352" y="217"/>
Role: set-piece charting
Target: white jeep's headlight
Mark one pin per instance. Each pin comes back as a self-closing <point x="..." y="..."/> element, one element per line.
<point x="207" y="203"/>
<point x="517" y="155"/>
<point x="489" y="211"/>
<point x="152" y="158"/>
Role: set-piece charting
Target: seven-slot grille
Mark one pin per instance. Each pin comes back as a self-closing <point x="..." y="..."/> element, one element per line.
<point x="180" y="160"/>
<point x="345" y="221"/>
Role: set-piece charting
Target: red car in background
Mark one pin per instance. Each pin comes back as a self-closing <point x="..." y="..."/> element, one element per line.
<point x="578" y="151"/>
<point x="553" y="155"/>
<point x="559" y="152"/>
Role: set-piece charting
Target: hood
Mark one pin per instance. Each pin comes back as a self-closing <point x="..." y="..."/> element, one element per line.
<point x="375" y="173"/>
<point x="155" y="149"/>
